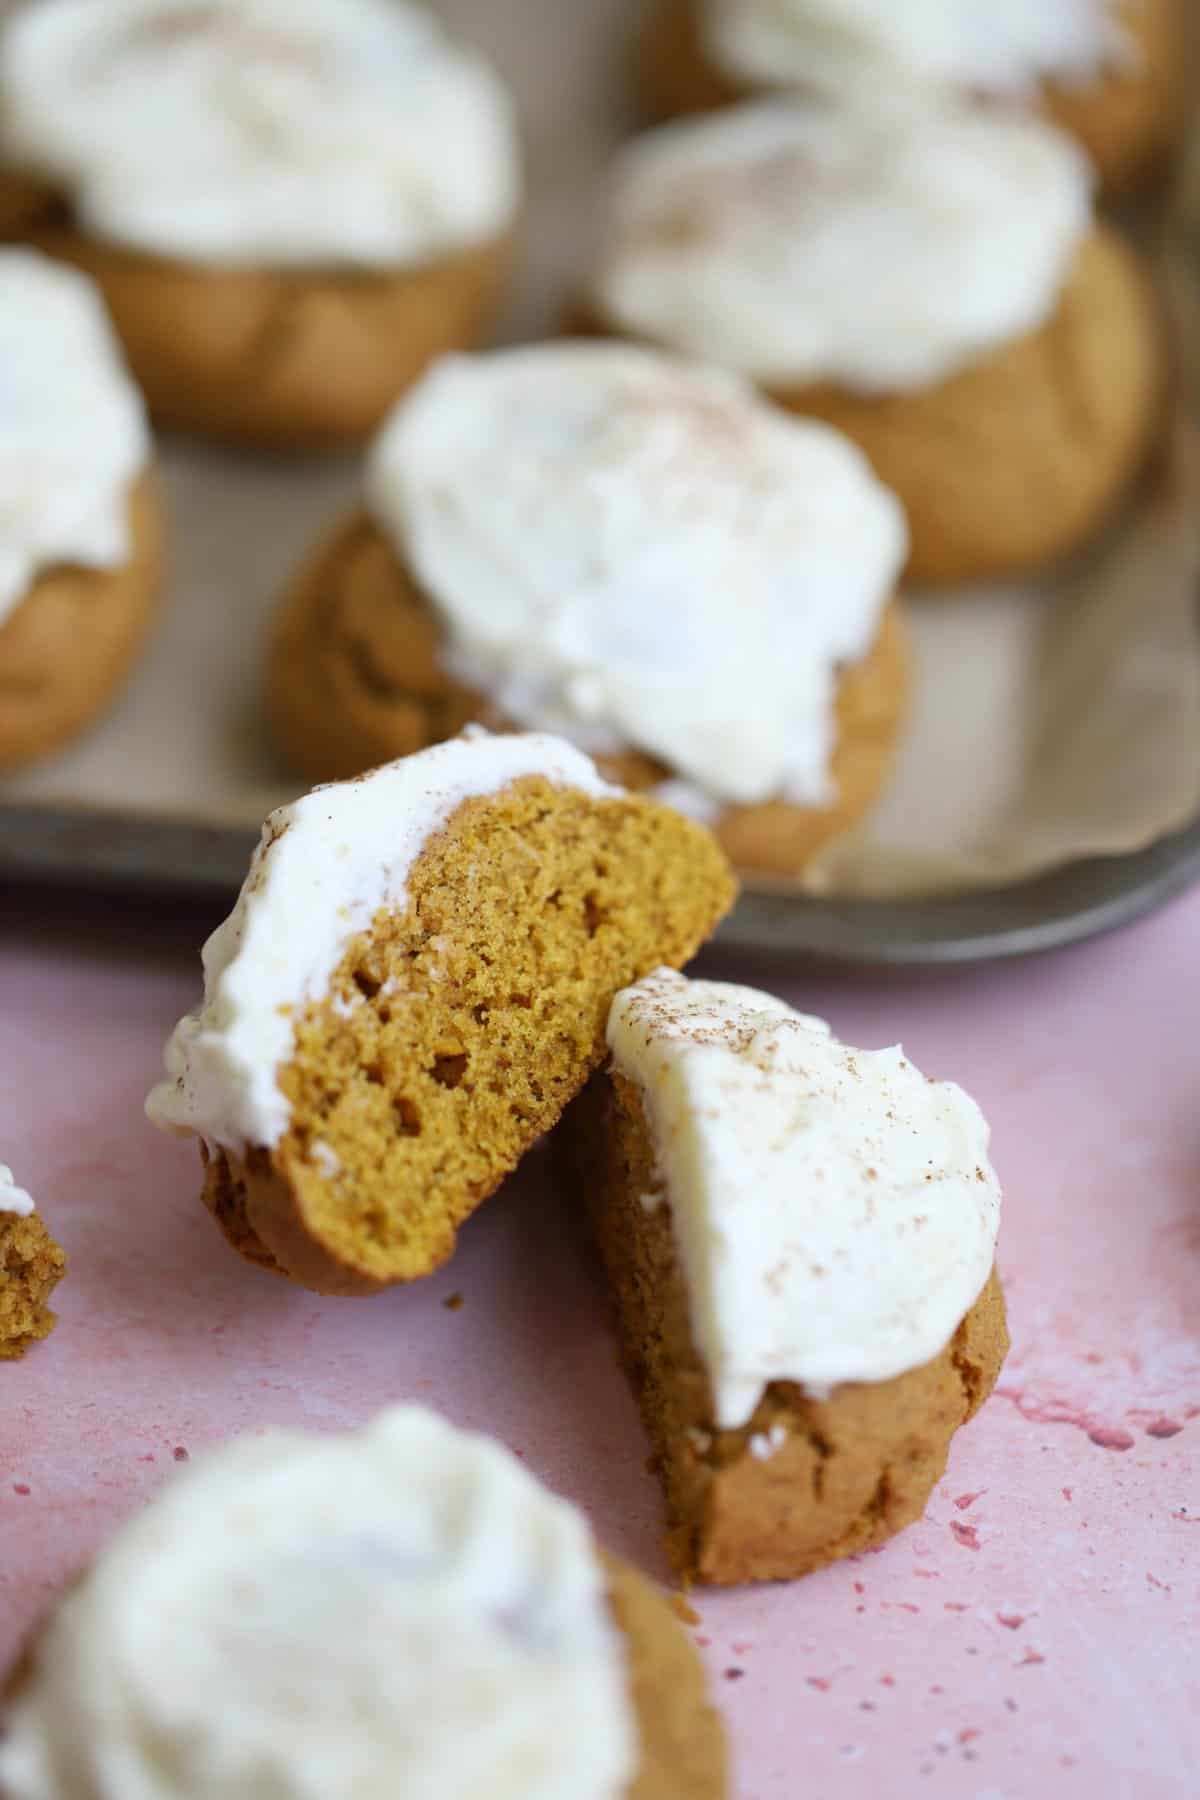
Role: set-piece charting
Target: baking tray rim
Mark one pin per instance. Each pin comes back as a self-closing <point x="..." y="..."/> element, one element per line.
<point x="122" y="852"/>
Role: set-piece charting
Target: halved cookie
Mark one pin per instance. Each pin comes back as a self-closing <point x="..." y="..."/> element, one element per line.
<point x="290" y="211"/>
<point x="418" y="1614"/>
<point x="414" y="983"/>
<point x="637" y="554"/>
<point x="31" y="1267"/>
<point x="799" y="1239"/>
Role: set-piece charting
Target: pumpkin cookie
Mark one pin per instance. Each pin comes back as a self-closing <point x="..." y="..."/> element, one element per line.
<point x="290" y="210"/>
<point x="799" y="1239"/>
<point x="1112" y="72"/>
<point x="31" y="1267"/>
<point x="221" y="1637"/>
<point x="413" y="984"/>
<point x="602" y="542"/>
<point x="1005" y="381"/>
<point x="80" y="521"/>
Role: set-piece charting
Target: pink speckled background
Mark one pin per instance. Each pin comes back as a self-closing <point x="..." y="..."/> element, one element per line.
<point x="1035" y="1636"/>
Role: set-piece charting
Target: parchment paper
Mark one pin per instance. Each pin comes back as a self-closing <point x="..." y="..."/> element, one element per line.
<point x="1052" y="722"/>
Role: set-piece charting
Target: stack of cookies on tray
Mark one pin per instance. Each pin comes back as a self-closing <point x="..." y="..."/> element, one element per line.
<point x="618" y="614"/>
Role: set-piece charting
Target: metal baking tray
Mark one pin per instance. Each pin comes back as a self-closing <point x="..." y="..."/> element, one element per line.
<point x="115" y="853"/>
<point x="239" y="527"/>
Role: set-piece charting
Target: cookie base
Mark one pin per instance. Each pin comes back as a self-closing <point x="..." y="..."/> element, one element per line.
<point x="846" y="1474"/>
<point x="683" y="1754"/>
<point x="68" y="647"/>
<point x="285" y="360"/>
<point x="354" y="678"/>
<point x="1025" y="455"/>
<point x="455" y="1032"/>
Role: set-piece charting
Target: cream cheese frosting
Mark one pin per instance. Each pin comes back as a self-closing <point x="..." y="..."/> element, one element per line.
<point x="869" y="49"/>
<point x="800" y="243"/>
<point x="639" y="554"/>
<point x="401" y="1610"/>
<point x="324" y="867"/>
<point x="73" y="433"/>
<point x="13" y="1199"/>
<point x="261" y="132"/>
<point x="835" y="1212"/>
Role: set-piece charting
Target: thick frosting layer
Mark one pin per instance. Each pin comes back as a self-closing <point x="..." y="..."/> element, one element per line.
<point x="835" y="1212"/>
<point x="325" y="866"/>
<point x="13" y="1199"/>
<point x="268" y="132"/>
<point x="398" y="1611"/>
<point x="73" y="434"/>
<point x="876" y="49"/>
<point x="799" y="243"/>
<point x="640" y="554"/>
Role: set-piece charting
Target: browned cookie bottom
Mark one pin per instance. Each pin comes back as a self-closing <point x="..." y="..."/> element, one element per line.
<point x="284" y="359"/>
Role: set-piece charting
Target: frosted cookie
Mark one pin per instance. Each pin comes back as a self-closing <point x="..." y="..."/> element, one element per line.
<point x="597" y="541"/>
<point x="31" y="1267"/>
<point x="1109" y="71"/>
<point x="799" y="1239"/>
<point x="413" y="984"/>
<point x="936" y="288"/>
<point x="80" y="524"/>
<point x="397" y="1610"/>
<point x="290" y="209"/>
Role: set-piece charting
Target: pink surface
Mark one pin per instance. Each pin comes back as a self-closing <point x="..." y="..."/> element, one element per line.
<point x="1035" y="1635"/>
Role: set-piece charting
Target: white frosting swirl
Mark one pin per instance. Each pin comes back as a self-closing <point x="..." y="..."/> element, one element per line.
<point x="638" y="553"/>
<point x="402" y="1610"/>
<point x="801" y="243"/>
<point x="835" y="1212"/>
<point x="325" y="866"/>
<point x="73" y="434"/>
<point x="261" y="132"/>
<point x="868" y="49"/>
<point x="13" y="1199"/>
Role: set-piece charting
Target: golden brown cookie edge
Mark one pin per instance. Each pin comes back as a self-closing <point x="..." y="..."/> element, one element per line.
<point x="70" y="645"/>
<point x="284" y="360"/>
<point x="848" y="1473"/>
